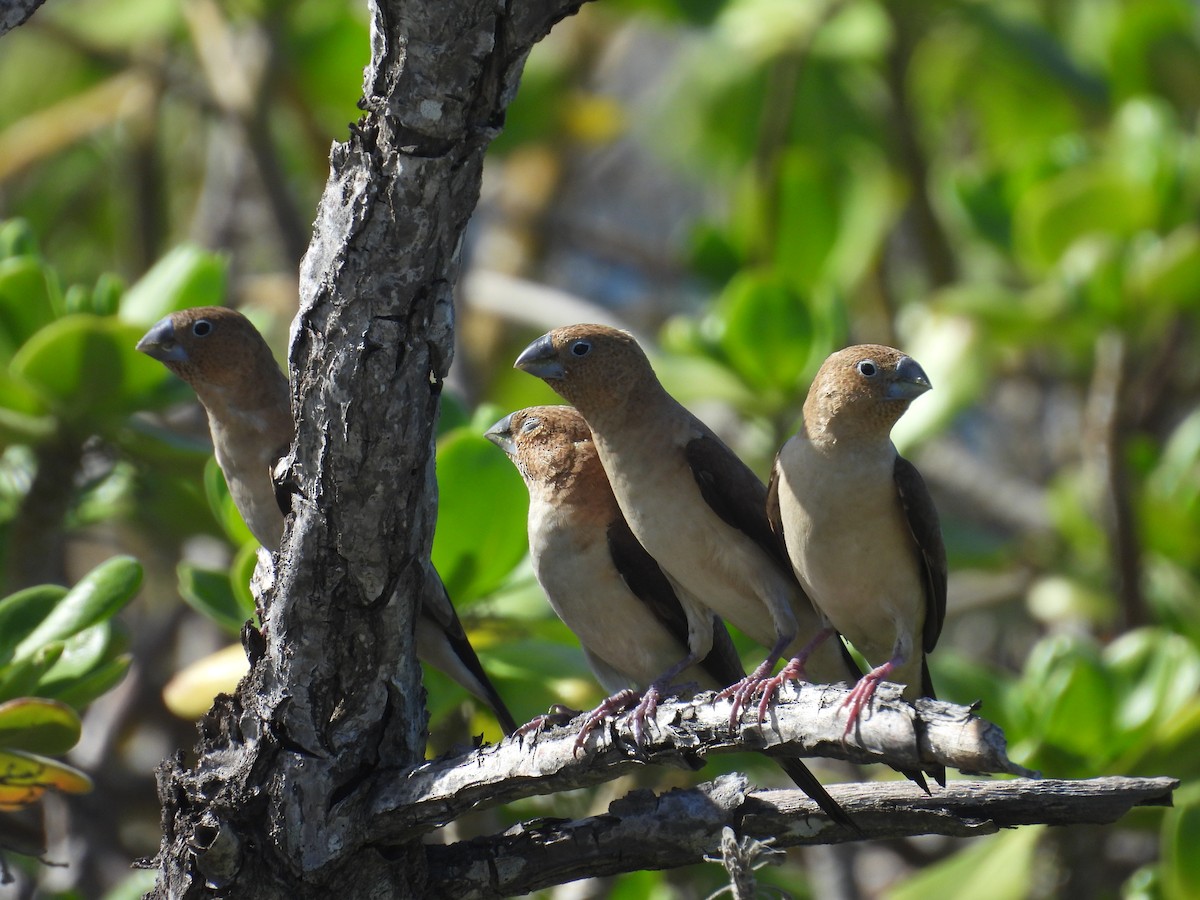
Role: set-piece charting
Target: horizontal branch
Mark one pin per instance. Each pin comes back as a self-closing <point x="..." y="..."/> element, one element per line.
<point x="645" y="831"/>
<point x="807" y="722"/>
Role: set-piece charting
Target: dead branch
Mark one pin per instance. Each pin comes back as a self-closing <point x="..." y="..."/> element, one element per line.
<point x="680" y="827"/>
<point x="808" y="722"/>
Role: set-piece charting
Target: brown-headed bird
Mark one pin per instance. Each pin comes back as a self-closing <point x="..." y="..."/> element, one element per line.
<point x="603" y="584"/>
<point x="858" y="521"/>
<point x="690" y="501"/>
<point x="224" y="359"/>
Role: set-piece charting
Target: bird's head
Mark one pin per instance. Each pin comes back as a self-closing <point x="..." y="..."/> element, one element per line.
<point x="863" y="389"/>
<point x="545" y="443"/>
<point x="595" y="367"/>
<point x="209" y="347"/>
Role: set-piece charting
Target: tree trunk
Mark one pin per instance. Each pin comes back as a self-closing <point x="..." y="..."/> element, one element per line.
<point x="334" y="691"/>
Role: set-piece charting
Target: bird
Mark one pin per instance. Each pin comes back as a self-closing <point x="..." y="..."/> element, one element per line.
<point x="604" y="585"/>
<point x="219" y="353"/>
<point x="688" y="499"/>
<point x="858" y="521"/>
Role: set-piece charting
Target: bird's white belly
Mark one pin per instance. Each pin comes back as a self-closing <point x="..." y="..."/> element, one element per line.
<point x="852" y="549"/>
<point x="585" y="590"/>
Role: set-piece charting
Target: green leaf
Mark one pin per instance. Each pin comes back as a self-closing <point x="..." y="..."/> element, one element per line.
<point x="481" y="516"/>
<point x="20" y="679"/>
<point x="96" y="597"/>
<point x="187" y="276"/>
<point x="1054" y="214"/>
<point x="998" y="867"/>
<point x="28" y="301"/>
<point x="211" y="593"/>
<point x="82" y="653"/>
<point x="1071" y="696"/>
<point x="1180" y="838"/>
<point x="100" y="681"/>
<point x="38" y="725"/>
<point x="85" y="366"/>
<point x="17" y="239"/>
<point x="765" y="330"/>
<point x="1167" y="272"/>
<point x="24" y="611"/>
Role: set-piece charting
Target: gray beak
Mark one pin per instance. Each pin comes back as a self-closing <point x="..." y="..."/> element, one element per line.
<point x="159" y="342"/>
<point x="911" y="381"/>
<point x="500" y="434"/>
<point x="539" y="359"/>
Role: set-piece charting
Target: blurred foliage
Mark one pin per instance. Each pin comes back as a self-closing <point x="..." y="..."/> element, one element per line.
<point x="1006" y="189"/>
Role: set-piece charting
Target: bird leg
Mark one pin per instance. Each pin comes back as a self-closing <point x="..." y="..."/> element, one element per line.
<point x="793" y="671"/>
<point x="558" y="715"/>
<point x="649" y="702"/>
<point x="743" y="691"/>
<point x="862" y="692"/>
<point x="610" y="706"/>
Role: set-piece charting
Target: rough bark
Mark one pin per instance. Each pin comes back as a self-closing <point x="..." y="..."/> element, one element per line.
<point x="809" y="723"/>
<point x="16" y="12"/>
<point x="681" y="827"/>
<point x="334" y="691"/>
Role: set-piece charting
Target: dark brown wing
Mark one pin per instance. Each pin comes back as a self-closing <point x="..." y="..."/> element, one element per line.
<point x="923" y="522"/>
<point x="646" y="580"/>
<point x="734" y="493"/>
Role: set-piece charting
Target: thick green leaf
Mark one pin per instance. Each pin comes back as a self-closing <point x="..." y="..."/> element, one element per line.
<point x="29" y="299"/>
<point x="765" y="330"/>
<point x="17" y="239"/>
<point x="187" y="276"/>
<point x="20" y="679"/>
<point x="38" y="725"/>
<point x="96" y="597"/>
<point x="1056" y="213"/>
<point x="82" y="654"/>
<point x="101" y="680"/>
<point x="85" y="366"/>
<point x="211" y="593"/>
<point x="24" y="611"/>
<point x="481" y="516"/>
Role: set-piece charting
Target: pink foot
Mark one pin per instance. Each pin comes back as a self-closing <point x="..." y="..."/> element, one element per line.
<point x="793" y="671"/>
<point x="617" y="703"/>
<point x="743" y="691"/>
<point x="558" y="715"/>
<point x="862" y="693"/>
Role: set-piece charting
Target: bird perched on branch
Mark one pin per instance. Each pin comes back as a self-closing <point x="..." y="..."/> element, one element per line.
<point x="858" y="521"/>
<point x="696" y="508"/>
<point x="224" y="359"/>
<point x="603" y="584"/>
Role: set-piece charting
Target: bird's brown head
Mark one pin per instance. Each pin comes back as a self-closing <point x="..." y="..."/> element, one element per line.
<point x="601" y="370"/>
<point x="549" y="445"/>
<point x="862" y="390"/>
<point x="211" y="348"/>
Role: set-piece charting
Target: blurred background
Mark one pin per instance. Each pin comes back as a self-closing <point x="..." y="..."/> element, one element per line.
<point x="1007" y="190"/>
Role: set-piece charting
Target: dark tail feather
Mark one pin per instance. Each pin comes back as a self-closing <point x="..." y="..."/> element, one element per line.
<point x="938" y="772"/>
<point x="807" y="782"/>
<point x="466" y="655"/>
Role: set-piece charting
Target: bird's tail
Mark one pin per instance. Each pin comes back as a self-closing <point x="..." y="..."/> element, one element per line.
<point x="807" y="782"/>
<point x="938" y="772"/>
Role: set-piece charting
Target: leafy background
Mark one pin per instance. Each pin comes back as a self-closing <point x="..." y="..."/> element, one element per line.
<point x="1006" y="189"/>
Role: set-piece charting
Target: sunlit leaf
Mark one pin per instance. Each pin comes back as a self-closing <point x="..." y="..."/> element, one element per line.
<point x="38" y="725"/>
<point x="26" y="777"/>
<point x="482" y="506"/>
<point x="96" y="597"/>
<point x="185" y="277"/>
<point x="189" y="694"/>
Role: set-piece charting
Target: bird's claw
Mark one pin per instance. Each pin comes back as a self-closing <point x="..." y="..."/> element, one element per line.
<point x="557" y="715"/>
<point x="743" y="691"/>
<point x="611" y="706"/>
<point x="860" y="695"/>
<point x="645" y="709"/>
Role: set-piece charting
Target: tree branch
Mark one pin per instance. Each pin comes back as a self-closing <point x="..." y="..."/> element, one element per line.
<point x="809" y="723"/>
<point x="680" y="827"/>
<point x="16" y="12"/>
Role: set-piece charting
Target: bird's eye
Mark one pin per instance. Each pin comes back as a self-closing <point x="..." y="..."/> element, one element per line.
<point x="530" y="425"/>
<point x="867" y="369"/>
<point x="581" y="348"/>
<point x="201" y="327"/>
